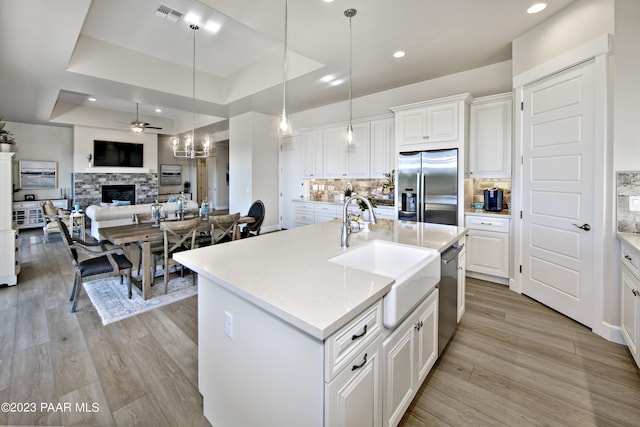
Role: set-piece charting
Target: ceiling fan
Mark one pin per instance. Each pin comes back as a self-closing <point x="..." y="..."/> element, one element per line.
<point x="138" y="127"/>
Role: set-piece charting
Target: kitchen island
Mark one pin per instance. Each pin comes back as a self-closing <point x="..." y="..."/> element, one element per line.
<point x="280" y="327"/>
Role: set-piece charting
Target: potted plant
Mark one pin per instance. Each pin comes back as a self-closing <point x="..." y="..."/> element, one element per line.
<point x="6" y="138"/>
<point x="363" y="206"/>
<point x="187" y="186"/>
<point x="389" y="186"/>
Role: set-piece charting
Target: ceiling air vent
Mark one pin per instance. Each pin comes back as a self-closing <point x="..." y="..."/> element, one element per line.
<point x="168" y="13"/>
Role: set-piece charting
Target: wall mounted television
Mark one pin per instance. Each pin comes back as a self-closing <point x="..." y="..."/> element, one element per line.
<point x="123" y="154"/>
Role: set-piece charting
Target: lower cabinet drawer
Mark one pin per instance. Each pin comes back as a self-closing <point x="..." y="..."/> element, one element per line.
<point x="303" y="218"/>
<point x="341" y="347"/>
<point x="500" y="225"/>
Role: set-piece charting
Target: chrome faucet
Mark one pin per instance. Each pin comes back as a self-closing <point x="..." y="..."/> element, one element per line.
<point x="346" y="228"/>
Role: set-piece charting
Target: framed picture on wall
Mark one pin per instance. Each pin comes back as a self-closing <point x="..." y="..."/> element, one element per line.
<point x="38" y="174"/>
<point x="170" y="174"/>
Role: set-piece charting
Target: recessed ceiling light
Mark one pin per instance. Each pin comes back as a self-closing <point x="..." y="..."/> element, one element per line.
<point x="92" y="99"/>
<point x="192" y="18"/>
<point x="327" y="78"/>
<point x="538" y="7"/>
<point x="328" y="1"/>
<point x="212" y="27"/>
<point x="398" y="54"/>
<point x="337" y="82"/>
<point x="158" y="110"/>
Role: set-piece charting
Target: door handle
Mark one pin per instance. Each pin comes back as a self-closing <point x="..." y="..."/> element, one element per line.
<point x="585" y="227"/>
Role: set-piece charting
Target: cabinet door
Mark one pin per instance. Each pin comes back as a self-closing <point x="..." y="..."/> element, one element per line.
<point x="358" y="152"/>
<point x="629" y="311"/>
<point x="399" y="372"/>
<point x="490" y="139"/>
<point x="354" y="397"/>
<point x="488" y="252"/>
<point x="382" y="147"/>
<point x="427" y="337"/>
<point x="313" y="154"/>
<point x="442" y="122"/>
<point x="335" y="152"/>
<point x="411" y="126"/>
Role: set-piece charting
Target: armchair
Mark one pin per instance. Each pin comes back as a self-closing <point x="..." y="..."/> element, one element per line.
<point x="50" y="213"/>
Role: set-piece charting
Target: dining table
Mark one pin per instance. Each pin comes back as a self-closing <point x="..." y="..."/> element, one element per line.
<point x="147" y="233"/>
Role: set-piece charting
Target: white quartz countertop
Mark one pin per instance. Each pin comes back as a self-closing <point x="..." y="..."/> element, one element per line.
<point x="482" y="212"/>
<point x="631" y="239"/>
<point x="287" y="273"/>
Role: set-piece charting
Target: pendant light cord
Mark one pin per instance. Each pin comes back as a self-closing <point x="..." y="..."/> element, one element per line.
<point x="193" y="90"/>
<point x="284" y="67"/>
<point x="350" y="71"/>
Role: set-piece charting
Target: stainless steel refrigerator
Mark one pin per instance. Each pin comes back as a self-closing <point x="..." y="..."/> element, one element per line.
<point x="428" y="186"/>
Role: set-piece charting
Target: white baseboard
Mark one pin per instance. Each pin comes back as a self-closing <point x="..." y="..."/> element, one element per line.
<point x="610" y="332"/>
<point x="487" y="277"/>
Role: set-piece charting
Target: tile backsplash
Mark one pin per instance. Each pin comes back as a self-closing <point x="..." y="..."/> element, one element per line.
<point x="627" y="184"/>
<point x="331" y="189"/>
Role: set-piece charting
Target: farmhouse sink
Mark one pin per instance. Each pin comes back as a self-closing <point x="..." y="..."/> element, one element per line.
<point x="416" y="272"/>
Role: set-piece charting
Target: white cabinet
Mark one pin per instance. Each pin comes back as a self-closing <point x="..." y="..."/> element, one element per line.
<point x="326" y="212"/>
<point x="462" y="284"/>
<point x="303" y="213"/>
<point x="487" y="247"/>
<point x="383" y="157"/>
<point x="386" y="213"/>
<point x="28" y="214"/>
<point x="630" y="301"/>
<point x="353" y="389"/>
<point x="490" y="137"/>
<point x="344" y="160"/>
<point x="313" y="142"/>
<point x="437" y="121"/>
<point x="9" y="267"/>
<point x="409" y="353"/>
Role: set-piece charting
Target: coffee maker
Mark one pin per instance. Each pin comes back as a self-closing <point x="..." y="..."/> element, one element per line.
<point x="492" y="200"/>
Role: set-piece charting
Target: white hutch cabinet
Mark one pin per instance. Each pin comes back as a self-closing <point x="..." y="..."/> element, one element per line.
<point x="9" y="267"/>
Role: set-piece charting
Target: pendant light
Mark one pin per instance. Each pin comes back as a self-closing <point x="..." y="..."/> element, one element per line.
<point x="189" y="142"/>
<point x="350" y="13"/>
<point x="284" y="127"/>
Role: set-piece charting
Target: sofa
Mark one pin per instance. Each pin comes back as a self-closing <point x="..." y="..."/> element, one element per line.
<point x="111" y="216"/>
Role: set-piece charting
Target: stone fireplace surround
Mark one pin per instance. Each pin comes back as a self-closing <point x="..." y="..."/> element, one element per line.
<point x="87" y="187"/>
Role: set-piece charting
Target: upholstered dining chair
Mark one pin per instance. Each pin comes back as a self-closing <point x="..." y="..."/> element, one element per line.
<point x="50" y="213"/>
<point x="256" y="210"/>
<point x="224" y="228"/>
<point x="97" y="261"/>
<point x="178" y="236"/>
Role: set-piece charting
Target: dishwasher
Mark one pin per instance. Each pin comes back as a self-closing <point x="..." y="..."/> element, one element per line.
<point x="448" y="295"/>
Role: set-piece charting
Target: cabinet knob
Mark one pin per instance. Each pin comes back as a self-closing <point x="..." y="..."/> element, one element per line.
<point x="627" y="257"/>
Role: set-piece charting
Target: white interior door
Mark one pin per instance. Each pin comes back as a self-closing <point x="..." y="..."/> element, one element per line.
<point x="557" y="199"/>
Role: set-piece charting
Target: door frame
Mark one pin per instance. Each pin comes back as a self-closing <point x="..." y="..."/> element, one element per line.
<point x="604" y="190"/>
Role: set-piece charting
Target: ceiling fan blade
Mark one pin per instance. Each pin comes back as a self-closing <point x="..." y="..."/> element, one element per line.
<point x="152" y="127"/>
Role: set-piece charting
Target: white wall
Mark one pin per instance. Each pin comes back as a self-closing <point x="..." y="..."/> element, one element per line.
<point x="83" y="145"/>
<point x="626" y="85"/>
<point x="578" y="23"/>
<point x="42" y="142"/>
<point x="482" y="81"/>
<point x="253" y="165"/>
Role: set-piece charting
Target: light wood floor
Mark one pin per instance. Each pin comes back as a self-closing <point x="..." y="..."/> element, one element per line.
<point x="511" y="362"/>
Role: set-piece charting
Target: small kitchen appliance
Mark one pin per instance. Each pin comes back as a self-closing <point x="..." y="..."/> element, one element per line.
<point x="492" y="200"/>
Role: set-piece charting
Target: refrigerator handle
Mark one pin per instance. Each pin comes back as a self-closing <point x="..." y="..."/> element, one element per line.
<point x="419" y="198"/>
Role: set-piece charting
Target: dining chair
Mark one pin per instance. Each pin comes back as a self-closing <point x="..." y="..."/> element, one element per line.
<point x="224" y="228"/>
<point x="97" y="261"/>
<point x="178" y="236"/>
<point x="256" y="210"/>
<point x="50" y="213"/>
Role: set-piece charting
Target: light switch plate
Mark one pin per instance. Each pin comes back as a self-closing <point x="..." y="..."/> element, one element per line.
<point x="634" y="203"/>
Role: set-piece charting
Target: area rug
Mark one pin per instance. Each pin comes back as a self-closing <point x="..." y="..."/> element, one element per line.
<point x="109" y="296"/>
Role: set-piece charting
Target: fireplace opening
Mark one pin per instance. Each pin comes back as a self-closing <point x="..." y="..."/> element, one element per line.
<point x="119" y="192"/>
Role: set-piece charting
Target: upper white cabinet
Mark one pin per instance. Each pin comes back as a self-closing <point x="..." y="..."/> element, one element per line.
<point x="490" y="137"/>
<point x="383" y="157"/>
<point x="313" y="154"/>
<point x="443" y="120"/>
<point x="344" y="160"/>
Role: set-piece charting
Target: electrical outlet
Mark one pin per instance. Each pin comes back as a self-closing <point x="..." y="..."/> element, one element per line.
<point x="228" y="324"/>
<point x="634" y="203"/>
